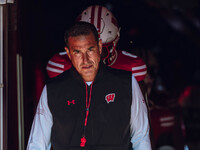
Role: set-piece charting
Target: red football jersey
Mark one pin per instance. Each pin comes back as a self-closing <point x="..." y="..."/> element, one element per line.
<point x="59" y="63"/>
<point x="129" y="62"/>
<point x="119" y="60"/>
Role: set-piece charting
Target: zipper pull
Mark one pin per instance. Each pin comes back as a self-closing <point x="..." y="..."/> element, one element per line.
<point x="83" y="141"/>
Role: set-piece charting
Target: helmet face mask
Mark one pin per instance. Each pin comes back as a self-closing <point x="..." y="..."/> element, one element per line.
<point x="106" y="25"/>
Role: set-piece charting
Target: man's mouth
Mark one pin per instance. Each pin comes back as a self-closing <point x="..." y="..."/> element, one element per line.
<point x="87" y="67"/>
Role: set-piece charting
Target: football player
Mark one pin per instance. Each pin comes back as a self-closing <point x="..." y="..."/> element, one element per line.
<point x="109" y="33"/>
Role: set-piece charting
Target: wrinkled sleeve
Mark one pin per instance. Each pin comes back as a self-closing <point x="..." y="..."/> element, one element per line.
<point x="39" y="138"/>
<point x="139" y="120"/>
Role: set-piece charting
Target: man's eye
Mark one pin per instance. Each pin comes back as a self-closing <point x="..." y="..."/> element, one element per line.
<point x="90" y="49"/>
<point x="76" y="51"/>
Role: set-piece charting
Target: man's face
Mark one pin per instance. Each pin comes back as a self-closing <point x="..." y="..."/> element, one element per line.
<point x="84" y="53"/>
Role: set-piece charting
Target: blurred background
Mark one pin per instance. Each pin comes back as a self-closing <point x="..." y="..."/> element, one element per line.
<point x="163" y="31"/>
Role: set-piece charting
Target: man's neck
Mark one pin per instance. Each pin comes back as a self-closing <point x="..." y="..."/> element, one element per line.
<point x="89" y="83"/>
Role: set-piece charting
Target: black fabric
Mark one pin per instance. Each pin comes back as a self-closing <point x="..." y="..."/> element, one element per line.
<point x="108" y="124"/>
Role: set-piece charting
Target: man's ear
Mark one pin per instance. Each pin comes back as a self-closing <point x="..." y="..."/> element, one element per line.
<point x="100" y="46"/>
<point x="68" y="54"/>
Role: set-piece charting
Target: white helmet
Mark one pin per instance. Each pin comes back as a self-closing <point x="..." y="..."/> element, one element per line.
<point x="105" y="23"/>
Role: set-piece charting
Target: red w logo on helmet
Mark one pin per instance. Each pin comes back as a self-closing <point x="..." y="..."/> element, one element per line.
<point x="110" y="97"/>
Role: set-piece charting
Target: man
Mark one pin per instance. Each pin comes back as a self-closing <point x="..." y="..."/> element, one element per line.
<point x="90" y="106"/>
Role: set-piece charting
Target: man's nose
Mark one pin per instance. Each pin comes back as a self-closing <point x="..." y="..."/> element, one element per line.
<point x="85" y="57"/>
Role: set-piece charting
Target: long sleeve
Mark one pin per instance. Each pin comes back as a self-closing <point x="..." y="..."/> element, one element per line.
<point x="139" y="120"/>
<point x="39" y="138"/>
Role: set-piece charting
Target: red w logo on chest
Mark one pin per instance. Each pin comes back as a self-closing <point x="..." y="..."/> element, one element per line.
<point x="110" y="97"/>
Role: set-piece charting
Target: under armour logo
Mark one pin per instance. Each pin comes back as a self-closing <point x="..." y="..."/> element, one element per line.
<point x="110" y="97"/>
<point x="70" y="102"/>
